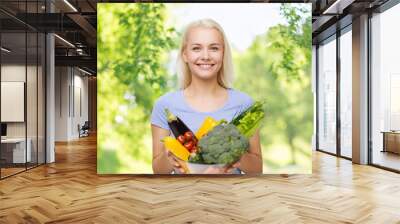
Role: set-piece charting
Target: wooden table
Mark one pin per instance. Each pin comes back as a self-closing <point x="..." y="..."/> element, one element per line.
<point x="391" y="141"/>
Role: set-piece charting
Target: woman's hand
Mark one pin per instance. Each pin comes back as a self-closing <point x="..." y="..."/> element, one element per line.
<point x="230" y="168"/>
<point x="175" y="162"/>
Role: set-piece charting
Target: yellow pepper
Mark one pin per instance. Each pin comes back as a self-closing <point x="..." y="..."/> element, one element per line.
<point x="208" y="124"/>
<point x="176" y="148"/>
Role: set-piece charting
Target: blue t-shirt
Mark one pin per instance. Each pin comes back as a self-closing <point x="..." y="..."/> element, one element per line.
<point x="175" y="101"/>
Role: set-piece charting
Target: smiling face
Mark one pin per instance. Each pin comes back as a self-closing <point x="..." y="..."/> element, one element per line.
<point x="204" y="52"/>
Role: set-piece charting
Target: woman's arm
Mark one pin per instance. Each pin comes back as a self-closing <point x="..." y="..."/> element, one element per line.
<point x="251" y="162"/>
<point x="161" y="164"/>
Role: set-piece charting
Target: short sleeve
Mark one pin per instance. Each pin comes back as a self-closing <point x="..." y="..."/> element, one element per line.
<point x="158" y="117"/>
<point x="248" y="102"/>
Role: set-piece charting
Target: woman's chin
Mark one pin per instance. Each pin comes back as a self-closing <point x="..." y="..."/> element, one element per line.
<point x="206" y="76"/>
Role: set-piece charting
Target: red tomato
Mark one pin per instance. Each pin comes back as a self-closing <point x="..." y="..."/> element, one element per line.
<point x="181" y="139"/>
<point x="188" y="135"/>
<point x="189" y="145"/>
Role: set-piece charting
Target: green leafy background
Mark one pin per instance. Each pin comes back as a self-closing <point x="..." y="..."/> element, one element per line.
<point x="133" y="47"/>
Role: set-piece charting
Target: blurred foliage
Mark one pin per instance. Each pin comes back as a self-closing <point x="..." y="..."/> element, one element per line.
<point x="277" y="67"/>
<point x="133" y="47"/>
<point x="132" y="44"/>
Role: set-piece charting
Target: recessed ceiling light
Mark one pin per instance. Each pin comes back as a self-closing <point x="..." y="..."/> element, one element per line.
<point x="338" y="6"/>
<point x="70" y="5"/>
<point x="86" y="72"/>
<point x="64" y="40"/>
<point x="5" y="49"/>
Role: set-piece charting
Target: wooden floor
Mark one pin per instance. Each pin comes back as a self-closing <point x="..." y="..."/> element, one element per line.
<point x="387" y="159"/>
<point x="70" y="191"/>
<point x="10" y="171"/>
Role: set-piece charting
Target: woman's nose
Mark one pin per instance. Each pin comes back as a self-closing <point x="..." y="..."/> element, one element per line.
<point x="205" y="54"/>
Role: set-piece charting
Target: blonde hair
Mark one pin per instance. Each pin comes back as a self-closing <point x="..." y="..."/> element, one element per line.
<point x="225" y="74"/>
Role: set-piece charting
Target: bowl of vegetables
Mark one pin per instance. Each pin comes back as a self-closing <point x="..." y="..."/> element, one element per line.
<point x="217" y="144"/>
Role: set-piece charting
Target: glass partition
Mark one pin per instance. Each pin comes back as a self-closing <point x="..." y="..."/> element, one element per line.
<point x="22" y="88"/>
<point x="13" y="109"/>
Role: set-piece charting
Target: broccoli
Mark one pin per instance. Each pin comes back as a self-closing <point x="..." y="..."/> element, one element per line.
<point x="197" y="158"/>
<point x="223" y="145"/>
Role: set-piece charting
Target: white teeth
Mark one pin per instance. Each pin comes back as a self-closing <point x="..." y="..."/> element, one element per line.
<point x="205" y="66"/>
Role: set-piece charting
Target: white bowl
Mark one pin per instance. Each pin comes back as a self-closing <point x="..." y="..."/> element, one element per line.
<point x="197" y="168"/>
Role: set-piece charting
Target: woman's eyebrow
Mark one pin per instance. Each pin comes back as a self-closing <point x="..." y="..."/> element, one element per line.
<point x="212" y="44"/>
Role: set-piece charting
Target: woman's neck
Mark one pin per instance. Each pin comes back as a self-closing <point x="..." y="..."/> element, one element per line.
<point x="203" y="88"/>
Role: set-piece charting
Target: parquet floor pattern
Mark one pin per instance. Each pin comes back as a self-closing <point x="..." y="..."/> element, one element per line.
<point x="70" y="191"/>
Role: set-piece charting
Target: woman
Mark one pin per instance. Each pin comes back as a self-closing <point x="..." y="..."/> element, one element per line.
<point x="205" y="71"/>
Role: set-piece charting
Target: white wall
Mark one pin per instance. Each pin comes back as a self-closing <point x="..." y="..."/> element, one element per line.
<point x="71" y="93"/>
<point x="62" y="81"/>
<point x="80" y="109"/>
<point x="12" y="101"/>
<point x="12" y="73"/>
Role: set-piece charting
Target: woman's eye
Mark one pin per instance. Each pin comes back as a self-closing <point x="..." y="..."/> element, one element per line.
<point x="214" y="48"/>
<point x="196" y="48"/>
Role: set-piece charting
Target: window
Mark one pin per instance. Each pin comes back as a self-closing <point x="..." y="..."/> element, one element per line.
<point x="385" y="89"/>
<point x="346" y="93"/>
<point x="327" y="96"/>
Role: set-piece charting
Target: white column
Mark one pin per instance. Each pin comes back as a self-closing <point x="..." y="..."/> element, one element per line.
<point x="50" y="110"/>
<point x="360" y="90"/>
<point x="50" y="93"/>
<point x="314" y="91"/>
